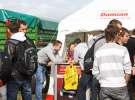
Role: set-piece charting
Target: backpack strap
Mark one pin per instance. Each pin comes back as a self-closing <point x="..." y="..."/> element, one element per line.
<point x="13" y="44"/>
<point x="89" y="57"/>
<point x="13" y="41"/>
<point x="94" y="45"/>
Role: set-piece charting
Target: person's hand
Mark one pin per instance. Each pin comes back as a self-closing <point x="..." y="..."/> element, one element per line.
<point x="49" y="63"/>
<point x="71" y="62"/>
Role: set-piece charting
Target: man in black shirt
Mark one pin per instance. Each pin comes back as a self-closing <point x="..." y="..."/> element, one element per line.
<point x="131" y="49"/>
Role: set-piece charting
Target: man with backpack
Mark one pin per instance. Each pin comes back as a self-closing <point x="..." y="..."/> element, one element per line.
<point x="88" y="65"/>
<point x="84" y="81"/>
<point x="89" y="59"/>
<point x="23" y="57"/>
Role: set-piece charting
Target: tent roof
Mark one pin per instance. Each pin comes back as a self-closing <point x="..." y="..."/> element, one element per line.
<point x="96" y="16"/>
<point x="98" y="13"/>
<point x="6" y="14"/>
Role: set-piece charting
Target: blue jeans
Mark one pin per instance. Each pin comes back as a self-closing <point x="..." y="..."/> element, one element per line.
<point x="84" y="82"/>
<point x="40" y="78"/>
<point x="95" y="89"/>
<point x="13" y="87"/>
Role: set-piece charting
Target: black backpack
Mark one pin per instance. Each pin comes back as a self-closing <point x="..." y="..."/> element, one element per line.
<point x="5" y="63"/>
<point x="5" y="66"/>
<point x="26" y="58"/>
<point x="89" y="57"/>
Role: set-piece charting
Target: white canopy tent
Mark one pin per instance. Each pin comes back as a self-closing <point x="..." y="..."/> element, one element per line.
<point x="96" y="15"/>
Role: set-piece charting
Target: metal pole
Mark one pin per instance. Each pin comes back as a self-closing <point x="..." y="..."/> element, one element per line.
<point x="55" y="83"/>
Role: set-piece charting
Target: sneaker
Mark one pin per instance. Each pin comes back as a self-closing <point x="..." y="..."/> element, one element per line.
<point x="70" y="96"/>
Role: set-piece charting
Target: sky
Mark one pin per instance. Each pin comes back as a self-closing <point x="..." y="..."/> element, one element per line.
<point x="46" y="9"/>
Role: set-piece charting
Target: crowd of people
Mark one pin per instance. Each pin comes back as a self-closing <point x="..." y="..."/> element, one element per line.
<point x="112" y="76"/>
<point x="112" y="73"/>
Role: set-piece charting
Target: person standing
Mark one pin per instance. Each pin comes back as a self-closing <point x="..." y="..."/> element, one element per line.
<point x="70" y="52"/>
<point x="18" y="81"/>
<point x="112" y="67"/>
<point x="84" y="81"/>
<point x="47" y="56"/>
<point x="95" y="87"/>
<point x="131" y="49"/>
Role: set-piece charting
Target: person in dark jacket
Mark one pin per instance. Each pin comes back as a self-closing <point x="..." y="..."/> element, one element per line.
<point x="16" y="80"/>
<point x="131" y="49"/>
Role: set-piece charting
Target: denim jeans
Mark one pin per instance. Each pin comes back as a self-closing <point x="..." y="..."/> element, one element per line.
<point x="13" y="87"/>
<point x="84" y="82"/>
<point x="40" y="78"/>
<point x="95" y="88"/>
